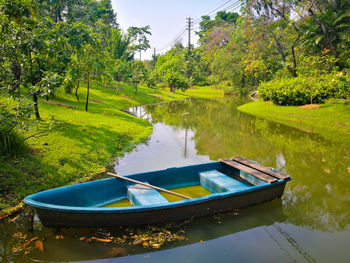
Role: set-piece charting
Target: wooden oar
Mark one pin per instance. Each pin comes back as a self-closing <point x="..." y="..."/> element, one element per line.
<point x="148" y="185"/>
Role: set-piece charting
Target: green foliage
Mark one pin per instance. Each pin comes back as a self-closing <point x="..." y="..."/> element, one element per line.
<point x="81" y="143"/>
<point x="11" y="143"/>
<point x="176" y="81"/>
<point x="322" y="64"/>
<point x="221" y="18"/>
<point x="138" y="36"/>
<point x="305" y="90"/>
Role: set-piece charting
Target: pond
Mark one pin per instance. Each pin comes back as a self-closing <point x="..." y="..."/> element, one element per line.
<point x="311" y="223"/>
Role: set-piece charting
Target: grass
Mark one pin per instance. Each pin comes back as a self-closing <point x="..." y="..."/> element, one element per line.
<point x="79" y="144"/>
<point x="332" y="119"/>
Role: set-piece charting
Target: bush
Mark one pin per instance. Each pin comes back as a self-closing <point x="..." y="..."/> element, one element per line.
<point x="305" y="90"/>
<point x="176" y="81"/>
<point x="11" y="143"/>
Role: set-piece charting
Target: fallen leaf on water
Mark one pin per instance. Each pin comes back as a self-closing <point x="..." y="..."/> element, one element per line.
<point x="89" y="240"/>
<point x="116" y="251"/>
<point x="59" y="237"/>
<point x="103" y="240"/>
<point x="39" y="245"/>
<point x="13" y="219"/>
<point x="29" y="241"/>
<point x="82" y="238"/>
<point x="138" y="241"/>
<point x="156" y="246"/>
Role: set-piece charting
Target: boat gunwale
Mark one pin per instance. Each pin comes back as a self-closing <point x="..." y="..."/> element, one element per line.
<point x="94" y="209"/>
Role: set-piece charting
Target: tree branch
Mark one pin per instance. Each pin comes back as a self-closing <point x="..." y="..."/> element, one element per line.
<point x="324" y="29"/>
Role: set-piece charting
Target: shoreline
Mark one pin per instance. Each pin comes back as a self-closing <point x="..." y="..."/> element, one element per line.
<point x="331" y="120"/>
<point x="82" y="145"/>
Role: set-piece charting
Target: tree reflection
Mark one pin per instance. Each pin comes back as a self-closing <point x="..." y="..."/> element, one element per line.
<point x="319" y="194"/>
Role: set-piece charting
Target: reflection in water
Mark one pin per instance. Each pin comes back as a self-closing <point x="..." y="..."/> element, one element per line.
<point x="309" y="224"/>
<point x="317" y="197"/>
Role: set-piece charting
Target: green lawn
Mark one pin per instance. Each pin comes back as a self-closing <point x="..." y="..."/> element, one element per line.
<point x="332" y="119"/>
<point x="80" y="144"/>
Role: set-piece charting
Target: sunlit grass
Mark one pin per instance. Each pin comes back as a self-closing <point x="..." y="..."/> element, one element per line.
<point x="81" y="144"/>
<point x="331" y="120"/>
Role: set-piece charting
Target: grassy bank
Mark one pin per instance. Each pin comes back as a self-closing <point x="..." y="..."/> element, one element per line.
<point x="332" y="119"/>
<point x="78" y="144"/>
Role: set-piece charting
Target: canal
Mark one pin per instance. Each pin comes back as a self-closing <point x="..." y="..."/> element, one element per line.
<point x="311" y="223"/>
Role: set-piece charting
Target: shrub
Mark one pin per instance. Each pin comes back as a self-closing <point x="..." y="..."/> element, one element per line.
<point x="305" y="90"/>
<point x="176" y="81"/>
<point x="11" y="143"/>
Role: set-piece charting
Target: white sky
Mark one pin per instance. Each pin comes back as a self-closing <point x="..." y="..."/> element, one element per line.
<point x="167" y="18"/>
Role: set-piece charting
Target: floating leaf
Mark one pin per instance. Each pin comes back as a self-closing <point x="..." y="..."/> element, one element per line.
<point x="29" y="241"/>
<point x="59" y="237"/>
<point x="89" y="240"/>
<point x="82" y="238"/>
<point x="138" y="241"/>
<point x="103" y="240"/>
<point x="13" y="219"/>
<point x="156" y="245"/>
<point x="39" y="245"/>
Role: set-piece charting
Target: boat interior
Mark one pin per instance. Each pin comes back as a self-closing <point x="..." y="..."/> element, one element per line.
<point x="194" y="181"/>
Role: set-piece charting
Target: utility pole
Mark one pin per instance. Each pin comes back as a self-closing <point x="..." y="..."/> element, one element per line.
<point x="189" y="28"/>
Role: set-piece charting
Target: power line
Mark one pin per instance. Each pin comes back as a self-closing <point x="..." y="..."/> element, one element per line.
<point x="177" y="37"/>
<point x="229" y="7"/>
<point x="214" y="10"/>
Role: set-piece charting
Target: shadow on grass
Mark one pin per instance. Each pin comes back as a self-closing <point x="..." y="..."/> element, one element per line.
<point x="22" y="176"/>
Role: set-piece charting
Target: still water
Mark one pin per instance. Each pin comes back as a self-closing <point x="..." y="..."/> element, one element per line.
<point x="311" y="223"/>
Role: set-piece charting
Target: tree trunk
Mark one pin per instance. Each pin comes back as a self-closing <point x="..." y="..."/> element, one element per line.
<point x="88" y="92"/>
<point x="36" y="108"/>
<point x="294" y="70"/>
<point x="76" y="91"/>
<point x="243" y="79"/>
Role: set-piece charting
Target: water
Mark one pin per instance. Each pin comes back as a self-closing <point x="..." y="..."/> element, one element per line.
<point x="311" y="222"/>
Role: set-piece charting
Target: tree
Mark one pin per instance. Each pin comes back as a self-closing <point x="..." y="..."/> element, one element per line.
<point x="120" y="46"/>
<point x="139" y="73"/>
<point x="176" y="81"/>
<point x="27" y="53"/>
<point x="138" y="36"/>
<point x="328" y="27"/>
<point x="222" y="18"/>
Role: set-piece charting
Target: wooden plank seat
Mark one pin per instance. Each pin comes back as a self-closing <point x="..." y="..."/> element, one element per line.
<point x="268" y="170"/>
<point x="241" y="167"/>
<point x="141" y="195"/>
<point x="218" y="182"/>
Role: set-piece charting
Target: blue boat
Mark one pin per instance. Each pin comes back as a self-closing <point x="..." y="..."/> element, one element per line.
<point x="212" y="188"/>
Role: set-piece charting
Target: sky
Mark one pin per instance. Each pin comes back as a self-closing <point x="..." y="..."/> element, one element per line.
<point x="167" y="18"/>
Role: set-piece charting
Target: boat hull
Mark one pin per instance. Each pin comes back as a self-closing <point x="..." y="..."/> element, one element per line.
<point x="53" y="218"/>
